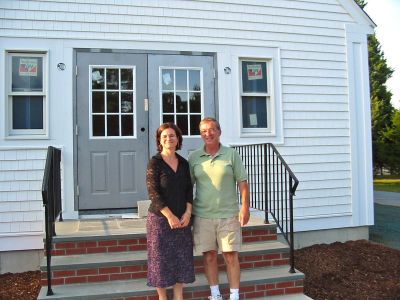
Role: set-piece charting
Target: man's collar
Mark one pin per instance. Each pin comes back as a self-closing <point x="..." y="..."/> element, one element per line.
<point x="221" y="150"/>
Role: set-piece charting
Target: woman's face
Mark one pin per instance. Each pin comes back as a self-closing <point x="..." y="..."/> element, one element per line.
<point x="168" y="139"/>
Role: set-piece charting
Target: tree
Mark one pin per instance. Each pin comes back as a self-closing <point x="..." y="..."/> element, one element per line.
<point x="381" y="106"/>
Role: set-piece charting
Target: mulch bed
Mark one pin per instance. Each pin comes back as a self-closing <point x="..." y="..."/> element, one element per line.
<point x="352" y="270"/>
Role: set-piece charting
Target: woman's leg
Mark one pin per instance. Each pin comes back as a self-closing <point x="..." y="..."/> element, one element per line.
<point x="178" y="291"/>
<point x="162" y="293"/>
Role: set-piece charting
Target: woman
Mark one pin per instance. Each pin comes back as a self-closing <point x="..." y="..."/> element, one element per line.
<point x="169" y="237"/>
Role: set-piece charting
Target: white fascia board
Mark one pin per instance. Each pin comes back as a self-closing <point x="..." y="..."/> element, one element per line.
<point x="357" y="13"/>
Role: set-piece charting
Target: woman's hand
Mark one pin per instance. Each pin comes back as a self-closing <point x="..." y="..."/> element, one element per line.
<point x="174" y="222"/>
<point x="185" y="220"/>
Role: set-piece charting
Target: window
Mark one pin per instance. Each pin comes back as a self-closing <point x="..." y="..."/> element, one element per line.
<point x="181" y="94"/>
<point x="113" y="101"/>
<point x="255" y="96"/>
<point x="27" y="94"/>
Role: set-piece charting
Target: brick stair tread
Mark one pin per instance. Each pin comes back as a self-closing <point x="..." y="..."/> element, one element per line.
<point x="129" y="257"/>
<point x="137" y="287"/>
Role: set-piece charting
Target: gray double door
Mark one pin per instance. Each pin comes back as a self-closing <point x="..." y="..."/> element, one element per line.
<point x="121" y="99"/>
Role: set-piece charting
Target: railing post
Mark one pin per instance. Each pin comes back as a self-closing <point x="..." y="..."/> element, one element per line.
<point x="291" y="233"/>
<point x="266" y="221"/>
<point x="48" y="252"/>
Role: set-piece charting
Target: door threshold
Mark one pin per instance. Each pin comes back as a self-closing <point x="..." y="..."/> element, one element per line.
<point x="109" y="216"/>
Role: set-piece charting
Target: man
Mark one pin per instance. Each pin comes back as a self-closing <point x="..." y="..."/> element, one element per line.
<point x="216" y="169"/>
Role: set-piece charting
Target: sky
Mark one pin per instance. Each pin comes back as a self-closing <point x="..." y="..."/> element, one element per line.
<point x="386" y="16"/>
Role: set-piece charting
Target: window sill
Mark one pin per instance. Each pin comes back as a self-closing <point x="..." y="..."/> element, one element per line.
<point x="27" y="137"/>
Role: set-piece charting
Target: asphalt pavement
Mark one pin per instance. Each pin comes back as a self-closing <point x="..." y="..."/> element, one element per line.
<point x="386" y="228"/>
<point x="387" y="198"/>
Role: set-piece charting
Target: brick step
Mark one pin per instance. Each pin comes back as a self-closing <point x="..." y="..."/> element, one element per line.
<point x="132" y="265"/>
<point x="255" y="283"/>
<point x="100" y="242"/>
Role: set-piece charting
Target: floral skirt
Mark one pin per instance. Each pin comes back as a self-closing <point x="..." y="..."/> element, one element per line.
<point x="169" y="253"/>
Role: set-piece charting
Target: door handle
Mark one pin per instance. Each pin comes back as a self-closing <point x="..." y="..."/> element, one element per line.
<point x="146" y="104"/>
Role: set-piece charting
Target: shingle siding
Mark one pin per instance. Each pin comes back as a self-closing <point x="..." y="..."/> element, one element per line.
<point x="21" y="174"/>
<point x="310" y="36"/>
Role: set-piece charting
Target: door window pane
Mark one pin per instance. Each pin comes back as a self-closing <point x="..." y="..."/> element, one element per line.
<point x="127" y="125"/>
<point x="194" y="80"/>
<point x="182" y="122"/>
<point x="112" y="79"/>
<point x="254" y="111"/>
<point x="181" y="80"/>
<point x="254" y="77"/>
<point x="112" y="125"/>
<point x="168" y="102"/>
<point x="195" y="102"/>
<point x="126" y="102"/>
<point x="194" y="124"/>
<point x="167" y="79"/>
<point x="27" y="74"/>
<point x="126" y="79"/>
<point x="27" y="112"/>
<point x="98" y="126"/>
<point x="98" y="78"/>
<point x="98" y="102"/>
<point x="182" y="100"/>
<point x="112" y="102"/>
<point x="168" y="118"/>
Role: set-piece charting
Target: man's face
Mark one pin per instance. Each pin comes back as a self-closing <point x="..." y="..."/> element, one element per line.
<point x="210" y="134"/>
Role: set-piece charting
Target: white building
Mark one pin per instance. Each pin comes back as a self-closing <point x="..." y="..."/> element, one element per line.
<point x="96" y="78"/>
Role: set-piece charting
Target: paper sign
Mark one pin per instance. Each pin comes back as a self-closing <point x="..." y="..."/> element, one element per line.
<point x="254" y="72"/>
<point x="253" y="120"/>
<point x="28" y="67"/>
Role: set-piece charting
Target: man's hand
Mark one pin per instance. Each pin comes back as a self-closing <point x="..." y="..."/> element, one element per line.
<point x="244" y="214"/>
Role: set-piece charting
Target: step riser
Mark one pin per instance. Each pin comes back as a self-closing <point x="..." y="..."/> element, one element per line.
<point x="139" y="243"/>
<point x="125" y="272"/>
<point x="246" y="292"/>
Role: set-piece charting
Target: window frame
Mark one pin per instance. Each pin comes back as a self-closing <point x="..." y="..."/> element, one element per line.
<point x="120" y="113"/>
<point x="9" y="94"/>
<point x="268" y="97"/>
<point x="189" y="113"/>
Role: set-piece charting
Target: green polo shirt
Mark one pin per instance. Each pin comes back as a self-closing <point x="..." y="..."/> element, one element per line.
<point x="216" y="178"/>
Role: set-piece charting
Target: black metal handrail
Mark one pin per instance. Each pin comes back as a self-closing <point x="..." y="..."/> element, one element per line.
<point x="272" y="187"/>
<point x="51" y="195"/>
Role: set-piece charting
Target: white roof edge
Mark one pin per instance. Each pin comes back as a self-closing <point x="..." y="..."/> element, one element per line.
<point x="357" y="12"/>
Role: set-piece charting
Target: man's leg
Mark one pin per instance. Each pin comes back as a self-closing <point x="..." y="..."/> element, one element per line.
<point x="232" y="268"/>
<point x="211" y="267"/>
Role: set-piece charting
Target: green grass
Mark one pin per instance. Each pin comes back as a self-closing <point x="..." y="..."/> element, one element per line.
<point x="387" y="183"/>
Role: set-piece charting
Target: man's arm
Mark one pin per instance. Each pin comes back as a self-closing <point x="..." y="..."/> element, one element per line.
<point x="244" y="214"/>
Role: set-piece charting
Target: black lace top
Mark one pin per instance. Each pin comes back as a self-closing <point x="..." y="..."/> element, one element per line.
<point x="168" y="188"/>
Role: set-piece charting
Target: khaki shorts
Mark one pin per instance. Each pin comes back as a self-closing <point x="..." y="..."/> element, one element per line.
<point x="214" y="234"/>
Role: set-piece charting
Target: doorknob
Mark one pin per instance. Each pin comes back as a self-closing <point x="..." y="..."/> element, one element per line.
<point x="142" y="129"/>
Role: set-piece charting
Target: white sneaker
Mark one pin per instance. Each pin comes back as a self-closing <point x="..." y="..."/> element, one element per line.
<point x="219" y="297"/>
